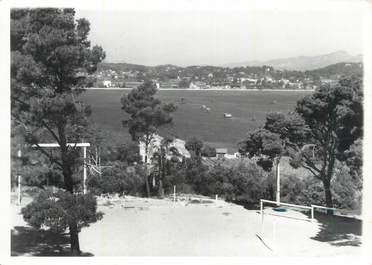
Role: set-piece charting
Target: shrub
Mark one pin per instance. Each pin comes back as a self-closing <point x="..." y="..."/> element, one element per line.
<point x="208" y="151"/>
<point x="57" y="210"/>
<point x="115" y="179"/>
<point x="250" y="183"/>
<point x="345" y="191"/>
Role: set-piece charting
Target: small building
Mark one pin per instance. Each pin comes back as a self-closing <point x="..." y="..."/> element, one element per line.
<point x="107" y="83"/>
<point x="221" y="152"/>
<point x="198" y="85"/>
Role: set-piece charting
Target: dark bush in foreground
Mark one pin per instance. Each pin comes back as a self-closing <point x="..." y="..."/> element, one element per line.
<point x="57" y="210"/>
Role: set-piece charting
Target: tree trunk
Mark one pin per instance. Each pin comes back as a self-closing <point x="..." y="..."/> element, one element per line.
<point x="328" y="195"/>
<point x="74" y="239"/>
<point x="161" y="189"/>
<point x="69" y="186"/>
<point x="277" y="173"/>
<point x="146" y="173"/>
<point x="74" y="234"/>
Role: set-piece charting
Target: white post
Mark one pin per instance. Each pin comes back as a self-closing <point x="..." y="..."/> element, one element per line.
<point x="261" y="207"/>
<point x="19" y="189"/>
<point x="85" y="171"/>
<point x="216" y="197"/>
<point x="174" y="193"/>
<point x="278" y="183"/>
<point x="19" y="154"/>
<point x="312" y="213"/>
<point x="262" y="217"/>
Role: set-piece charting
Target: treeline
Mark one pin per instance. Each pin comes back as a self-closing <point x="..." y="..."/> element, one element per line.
<point x="242" y="182"/>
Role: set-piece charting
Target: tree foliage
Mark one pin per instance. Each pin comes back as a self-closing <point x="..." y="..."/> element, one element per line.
<point x="51" y="60"/>
<point x="146" y="115"/>
<point x="115" y="178"/>
<point x="57" y="210"/>
<point x="194" y="145"/>
<point x="321" y="129"/>
<point x="264" y="144"/>
<point x="208" y="151"/>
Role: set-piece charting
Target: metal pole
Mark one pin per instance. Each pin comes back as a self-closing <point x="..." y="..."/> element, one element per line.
<point x="85" y="171"/>
<point x="19" y="154"/>
<point x="19" y="189"/>
<point x="262" y="217"/>
<point x="261" y="207"/>
<point x="278" y="183"/>
<point x="312" y="213"/>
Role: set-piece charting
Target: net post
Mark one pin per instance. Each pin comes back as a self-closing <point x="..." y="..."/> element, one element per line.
<point x="261" y="211"/>
<point x="278" y="183"/>
<point x="262" y="216"/>
<point x="85" y="171"/>
<point x="312" y="213"/>
<point x="19" y="154"/>
<point x="174" y="193"/>
<point x="19" y="190"/>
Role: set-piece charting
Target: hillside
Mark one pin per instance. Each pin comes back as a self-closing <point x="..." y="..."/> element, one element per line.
<point x="202" y="77"/>
<point x="342" y="69"/>
<point x="302" y="63"/>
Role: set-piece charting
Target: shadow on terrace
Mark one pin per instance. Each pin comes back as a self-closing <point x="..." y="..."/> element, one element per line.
<point x="26" y="241"/>
<point x="339" y="230"/>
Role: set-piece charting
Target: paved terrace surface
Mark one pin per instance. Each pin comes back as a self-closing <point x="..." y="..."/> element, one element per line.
<point x="193" y="227"/>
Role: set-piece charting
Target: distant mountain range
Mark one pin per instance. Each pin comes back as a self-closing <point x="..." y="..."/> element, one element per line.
<point x="302" y="63"/>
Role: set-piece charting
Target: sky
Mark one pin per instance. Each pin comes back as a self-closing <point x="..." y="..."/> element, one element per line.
<point x="198" y="35"/>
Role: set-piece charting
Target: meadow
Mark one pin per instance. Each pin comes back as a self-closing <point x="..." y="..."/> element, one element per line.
<point x="248" y="109"/>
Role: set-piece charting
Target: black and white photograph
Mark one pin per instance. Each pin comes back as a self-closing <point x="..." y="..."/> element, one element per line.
<point x="186" y="129"/>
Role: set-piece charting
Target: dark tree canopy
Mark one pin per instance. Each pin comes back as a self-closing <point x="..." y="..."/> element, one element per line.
<point x="194" y="145"/>
<point x="208" y="151"/>
<point x="51" y="60"/>
<point x="320" y="131"/>
<point x="264" y="144"/>
<point x="146" y="112"/>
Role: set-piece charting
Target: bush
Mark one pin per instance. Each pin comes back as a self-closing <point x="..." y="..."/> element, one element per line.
<point x="57" y="210"/>
<point x="345" y="191"/>
<point x="250" y="183"/>
<point x="244" y="183"/>
<point x="208" y="151"/>
<point x="291" y="188"/>
<point x="127" y="153"/>
<point x="115" y="179"/>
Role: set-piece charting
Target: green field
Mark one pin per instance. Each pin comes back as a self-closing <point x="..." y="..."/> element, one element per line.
<point x="247" y="107"/>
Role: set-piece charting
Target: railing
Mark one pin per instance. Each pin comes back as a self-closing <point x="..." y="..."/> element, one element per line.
<point x="311" y="208"/>
<point x="320" y="207"/>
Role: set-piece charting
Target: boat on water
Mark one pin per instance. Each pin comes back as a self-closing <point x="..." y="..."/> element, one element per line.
<point x="227" y="115"/>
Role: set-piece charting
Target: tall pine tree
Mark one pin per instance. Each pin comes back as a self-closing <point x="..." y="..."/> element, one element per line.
<point x="51" y="58"/>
